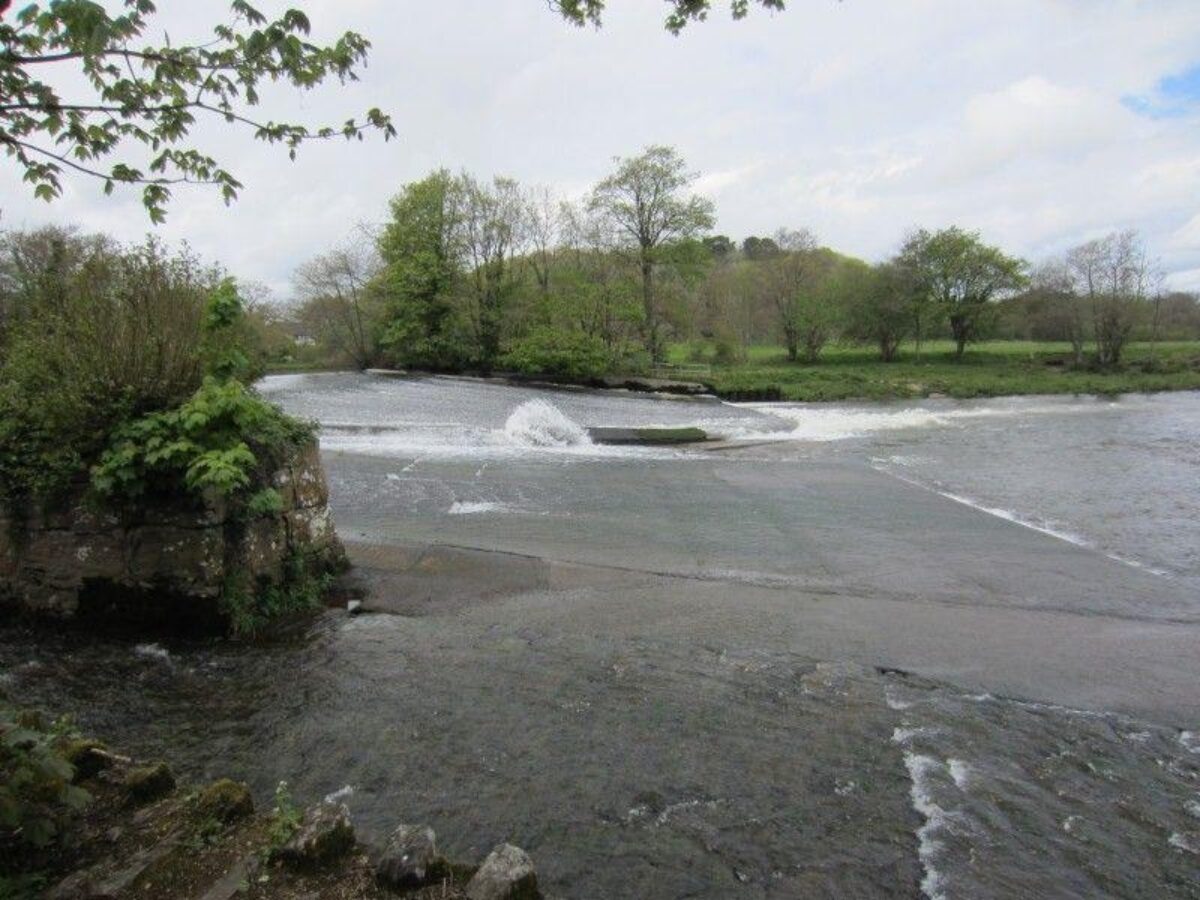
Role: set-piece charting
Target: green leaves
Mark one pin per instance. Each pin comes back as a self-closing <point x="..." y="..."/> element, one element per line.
<point x="36" y="793"/>
<point x="150" y="94"/>
<point x="223" y="440"/>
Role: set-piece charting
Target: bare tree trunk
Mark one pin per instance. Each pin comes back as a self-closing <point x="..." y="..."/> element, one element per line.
<point x="652" y="336"/>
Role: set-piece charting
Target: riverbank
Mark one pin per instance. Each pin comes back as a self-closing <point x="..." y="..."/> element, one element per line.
<point x="132" y="830"/>
<point x="990" y="369"/>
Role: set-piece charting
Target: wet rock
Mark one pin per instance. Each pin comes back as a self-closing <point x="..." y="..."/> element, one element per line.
<point x="88" y="757"/>
<point x="325" y="835"/>
<point x="506" y="874"/>
<point x="226" y="801"/>
<point x="408" y="858"/>
<point x="149" y="783"/>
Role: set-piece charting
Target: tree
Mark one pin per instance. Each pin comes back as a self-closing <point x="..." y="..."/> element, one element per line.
<point x="792" y="276"/>
<point x="1115" y="276"/>
<point x="340" y="299"/>
<point x="645" y="199"/>
<point x="582" y="12"/>
<point x="421" y="255"/>
<point x="492" y="233"/>
<point x="758" y="249"/>
<point x="544" y="221"/>
<point x="1062" y="309"/>
<point x="878" y="304"/>
<point x="598" y="292"/>
<point x="961" y="275"/>
<point x="132" y="123"/>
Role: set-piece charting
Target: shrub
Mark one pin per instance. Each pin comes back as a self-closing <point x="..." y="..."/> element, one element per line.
<point x="36" y="790"/>
<point x="250" y="608"/>
<point x="123" y="363"/>
<point x="217" y="441"/>
<point x="116" y="335"/>
<point x="565" y="354"/>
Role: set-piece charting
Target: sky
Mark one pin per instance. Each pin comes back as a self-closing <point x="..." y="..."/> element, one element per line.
<point x="1039" y="123"/>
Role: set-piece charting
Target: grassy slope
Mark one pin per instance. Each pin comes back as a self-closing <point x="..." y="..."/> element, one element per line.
<point x="988" y="369"/>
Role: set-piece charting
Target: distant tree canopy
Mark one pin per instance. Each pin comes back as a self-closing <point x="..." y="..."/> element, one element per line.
<point x="481" y="274"/>
<point x="583" y="12"/>
<point x="147" y="94"/>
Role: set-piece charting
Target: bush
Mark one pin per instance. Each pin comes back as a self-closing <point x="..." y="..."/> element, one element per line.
<point x="225" y="439"/>
<point x="36" y="790"/>
<point x="104" y="358"/>
<point x="564" y="354"/>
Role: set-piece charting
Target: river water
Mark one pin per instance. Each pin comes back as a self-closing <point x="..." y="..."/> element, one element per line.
<point x="941" y="649"/>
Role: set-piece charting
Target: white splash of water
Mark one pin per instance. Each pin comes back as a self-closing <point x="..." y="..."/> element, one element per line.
<point x="152" y="651"/>
<point x="920" y="768"/>
<point x="814" y="423"/>
<point x="537" y="423"/>
<point x="473" y="507"/>
<point x="960" y="772"/>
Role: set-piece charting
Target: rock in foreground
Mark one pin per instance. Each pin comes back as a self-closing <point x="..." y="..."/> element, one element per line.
<point x="507" y="874"/>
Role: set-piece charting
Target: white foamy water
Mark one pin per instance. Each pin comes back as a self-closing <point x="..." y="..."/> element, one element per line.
<point x="539" y="423"/>
<point x="474" y="507"/>
<point x="920" y="771"/>
<point x="836" y="423"/>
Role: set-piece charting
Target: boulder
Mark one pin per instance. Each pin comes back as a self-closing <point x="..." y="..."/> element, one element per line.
<point x="148" y="783"/>
<point x="325" y="835"/>
<point x="408" y="857"/>
<point x="226" y="801"/>
<point x="506" y="874"/>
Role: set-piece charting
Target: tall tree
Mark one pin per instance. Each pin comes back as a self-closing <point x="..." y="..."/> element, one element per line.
<point x="961" y="275"/>
<point x="137" y="93"/>
<point x="492" y="234"/>
<point x="340" y="298"/>
<point x="646" y="200"/>
<point x="878" y="304"/>
<point x="792" y="274"/>
<point x="1115" y="275"/>
<point x="421" y="253"/>
<point x="544" y="224"/>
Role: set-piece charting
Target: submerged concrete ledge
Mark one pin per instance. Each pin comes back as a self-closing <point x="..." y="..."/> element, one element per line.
<point x="648" y="436"/>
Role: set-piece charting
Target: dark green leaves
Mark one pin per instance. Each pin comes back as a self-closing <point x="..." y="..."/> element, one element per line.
<point x="148" y="94"/>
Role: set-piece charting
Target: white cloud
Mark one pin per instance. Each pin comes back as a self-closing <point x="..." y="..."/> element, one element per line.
<point x="859" y="120"/>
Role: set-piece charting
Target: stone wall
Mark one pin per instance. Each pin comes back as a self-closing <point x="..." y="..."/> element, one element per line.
<point x="168" y="562"/>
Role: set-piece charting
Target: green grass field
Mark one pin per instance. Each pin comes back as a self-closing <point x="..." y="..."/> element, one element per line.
<point x="991" y="369"/>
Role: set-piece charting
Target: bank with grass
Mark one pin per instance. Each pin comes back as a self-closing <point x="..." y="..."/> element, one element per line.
<point x="988" y="369"/>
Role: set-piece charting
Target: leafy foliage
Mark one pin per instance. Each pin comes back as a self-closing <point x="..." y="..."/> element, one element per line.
<point x="574" y="355"/>
<point x="582" y="12"/>
<point x="101" y="334"/>
<point x="216" y="441"/>
<point x="153" y="94"/>
<point x="285" y="817"/>
<point x="36" y="790"/>
<point x="105" y="373"/>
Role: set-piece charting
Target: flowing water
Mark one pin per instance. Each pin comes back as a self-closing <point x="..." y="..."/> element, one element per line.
<point x="940" y="649"/>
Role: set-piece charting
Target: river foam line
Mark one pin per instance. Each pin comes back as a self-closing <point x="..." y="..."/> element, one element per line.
<point x="1040" y="527"/>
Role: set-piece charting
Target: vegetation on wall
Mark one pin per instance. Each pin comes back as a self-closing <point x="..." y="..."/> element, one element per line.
<point x="128" y="365"/>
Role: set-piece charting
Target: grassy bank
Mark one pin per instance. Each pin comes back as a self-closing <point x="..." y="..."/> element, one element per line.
<point x="990" y="369"/>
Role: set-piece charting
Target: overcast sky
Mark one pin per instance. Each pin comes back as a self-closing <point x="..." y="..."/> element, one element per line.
<point x="1040" y="123"/>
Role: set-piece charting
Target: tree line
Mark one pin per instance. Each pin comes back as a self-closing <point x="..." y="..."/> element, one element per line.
<point x="485" y="274"/>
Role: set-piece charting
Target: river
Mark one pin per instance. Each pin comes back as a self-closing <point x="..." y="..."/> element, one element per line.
<point x="942" y="649"/>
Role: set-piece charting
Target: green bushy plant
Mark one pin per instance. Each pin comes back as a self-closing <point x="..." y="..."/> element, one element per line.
<point x="36" y="790"/>
<point x="214" y="442"/>
<point x="565" y="354"/>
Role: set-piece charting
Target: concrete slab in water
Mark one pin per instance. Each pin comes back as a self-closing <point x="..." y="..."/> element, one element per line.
<point x="648" y="436"/>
